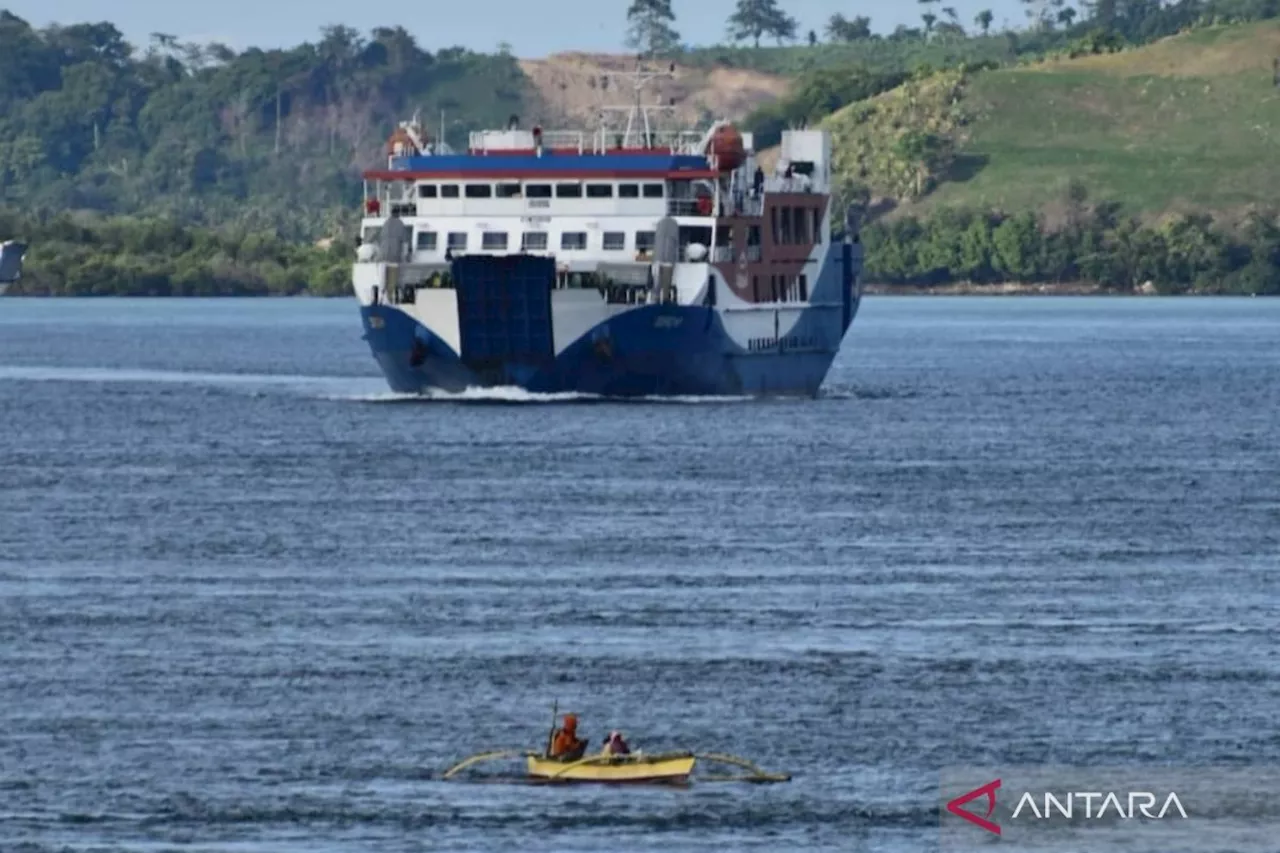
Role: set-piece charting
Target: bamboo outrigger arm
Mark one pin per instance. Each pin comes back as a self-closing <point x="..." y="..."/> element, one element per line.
<point x="754" y="772"/>
<point x="757" y="774"/>
<point x="483" y="756"/>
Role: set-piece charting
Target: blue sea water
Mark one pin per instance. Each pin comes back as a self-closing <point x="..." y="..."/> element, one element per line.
<point x="249" y="600"/>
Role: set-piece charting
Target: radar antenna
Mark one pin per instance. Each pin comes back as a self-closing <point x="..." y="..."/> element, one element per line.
<point x="639" y="132"/>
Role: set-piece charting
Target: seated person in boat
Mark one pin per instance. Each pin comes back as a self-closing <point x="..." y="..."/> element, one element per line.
<point x="615" y="745"/>
<point x="566" y="745"/>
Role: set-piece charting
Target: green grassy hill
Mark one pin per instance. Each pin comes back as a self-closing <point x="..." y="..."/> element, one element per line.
<point x="1188" y="123"/>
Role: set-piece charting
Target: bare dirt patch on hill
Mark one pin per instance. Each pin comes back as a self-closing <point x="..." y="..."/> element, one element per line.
<point x="573" y="87"/>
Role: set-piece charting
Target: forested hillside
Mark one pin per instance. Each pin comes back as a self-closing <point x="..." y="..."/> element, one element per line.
<point x="1148" y="127"/>
<point x="260" y="138"/>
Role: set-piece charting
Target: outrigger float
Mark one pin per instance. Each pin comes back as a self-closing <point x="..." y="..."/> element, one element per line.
<point x="671" y="768"/>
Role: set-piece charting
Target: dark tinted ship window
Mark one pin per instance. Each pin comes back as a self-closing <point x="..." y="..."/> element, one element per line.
<point x="507" y="190"/>
<point x="479" y="191"/>
<point x="599" y="190"/>
<point x="448" y="191"/>
<point x="653" y="191"/>
<point x="628" y="191"/>
<point x="427" y="191"/>
<point x="568" y="190"/>
<point x="537" y="190"/>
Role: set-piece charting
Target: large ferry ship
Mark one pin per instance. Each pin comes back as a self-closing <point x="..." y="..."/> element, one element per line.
<point x="11" y="255"/>
<point x="630" y="260"/>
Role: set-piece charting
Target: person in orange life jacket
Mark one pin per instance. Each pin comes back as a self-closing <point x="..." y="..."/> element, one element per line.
<point x="615" y="745"/>
<point x="566" y="744"/>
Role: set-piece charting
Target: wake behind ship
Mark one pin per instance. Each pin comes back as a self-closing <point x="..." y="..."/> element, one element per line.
<point x="620" y="262"/>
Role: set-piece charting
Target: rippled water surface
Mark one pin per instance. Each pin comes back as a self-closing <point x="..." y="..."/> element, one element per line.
<point x="251" y="601"/>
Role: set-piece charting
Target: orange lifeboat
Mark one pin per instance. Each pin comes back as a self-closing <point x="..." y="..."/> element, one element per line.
<point x="727" y="148"/>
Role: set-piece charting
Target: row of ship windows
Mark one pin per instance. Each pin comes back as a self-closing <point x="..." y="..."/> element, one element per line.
<point x="534" y="241"/>
<point x="563" y="190"/>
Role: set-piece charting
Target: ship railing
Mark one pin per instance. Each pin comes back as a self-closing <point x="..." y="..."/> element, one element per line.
<point x="794" y="184"/>
<point x="686" y="207"/>
<point x="722" y="255"/>
<point x="603" y="141"/>
<point x="743" y="204"/>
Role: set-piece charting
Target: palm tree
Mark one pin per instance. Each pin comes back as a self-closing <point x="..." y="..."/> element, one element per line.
<point x="984" y="19"/>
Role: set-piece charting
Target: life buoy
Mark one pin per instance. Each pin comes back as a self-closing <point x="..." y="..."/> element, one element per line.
<point x="704" y="206"/>
<point x="372" y="206"/>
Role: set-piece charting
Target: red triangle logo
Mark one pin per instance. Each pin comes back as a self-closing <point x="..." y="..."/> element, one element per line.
<point x="989" y="790"/>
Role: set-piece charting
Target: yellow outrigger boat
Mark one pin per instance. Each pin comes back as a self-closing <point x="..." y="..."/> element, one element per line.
<point x="609" y="768"/>
<point x="671" y="767"/>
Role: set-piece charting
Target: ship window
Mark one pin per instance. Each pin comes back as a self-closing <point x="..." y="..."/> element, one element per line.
<point x="534" y="241"/>
<point x="773" y="224"/>
<point x="753" y="235"/>
<point x="755" y="288"/>
<point x="372" y="234"/>
<point x="448" y="191"/>
<point x="568" y="190"/>
<point x="646" y="240"/>
<point x="804" y="288"/>
<point x="493" y="241"/>
<point x="537" y="190"/>
<point x="786" y="226"/>
<point x="479" y="191"/>
<point x="426" y="241"/>
<point x="798" y="225"/>
<point x="458" y="241"/>
<point x="507" y="190"/>
<point x="653" y="191"/>
<point x="817" y="224"/>
<point x="628" y="191"/>
<point x="427" y="190"/>
<point x="615" y="241"/>
<point x="404" y="209"/>
<point x="599" y="190"/>
<point x="573" y="240"/>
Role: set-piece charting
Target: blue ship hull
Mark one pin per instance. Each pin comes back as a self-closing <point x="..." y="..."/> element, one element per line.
<point x="636" y="363"/>
<point x="648" y="350"/>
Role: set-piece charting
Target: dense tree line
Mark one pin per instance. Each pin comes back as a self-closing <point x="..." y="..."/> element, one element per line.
<point x="125" y="256"/>
<point x="1096" y="245"/>
<point x="206" y="170"/>
<point x="87" y="122"/>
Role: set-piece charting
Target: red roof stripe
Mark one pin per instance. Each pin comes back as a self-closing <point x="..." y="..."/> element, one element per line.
<point x="567" y="174"/>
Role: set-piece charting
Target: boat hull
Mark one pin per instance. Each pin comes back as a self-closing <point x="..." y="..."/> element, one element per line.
<point x="635" y="362"/>
<point x="505" y="326"/>
<point x="615" y="770"/>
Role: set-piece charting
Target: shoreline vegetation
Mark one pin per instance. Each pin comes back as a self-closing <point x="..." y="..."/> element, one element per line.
<point x="1093" y="251"/>
<point x="185" y="169"/>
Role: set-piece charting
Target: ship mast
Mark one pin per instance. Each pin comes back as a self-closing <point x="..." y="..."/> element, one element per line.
<point x="638" y="111"/>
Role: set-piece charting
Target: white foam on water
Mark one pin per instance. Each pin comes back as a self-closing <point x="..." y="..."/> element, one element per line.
<point x="338" y="386"/>
<point x="514" y="394"/>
